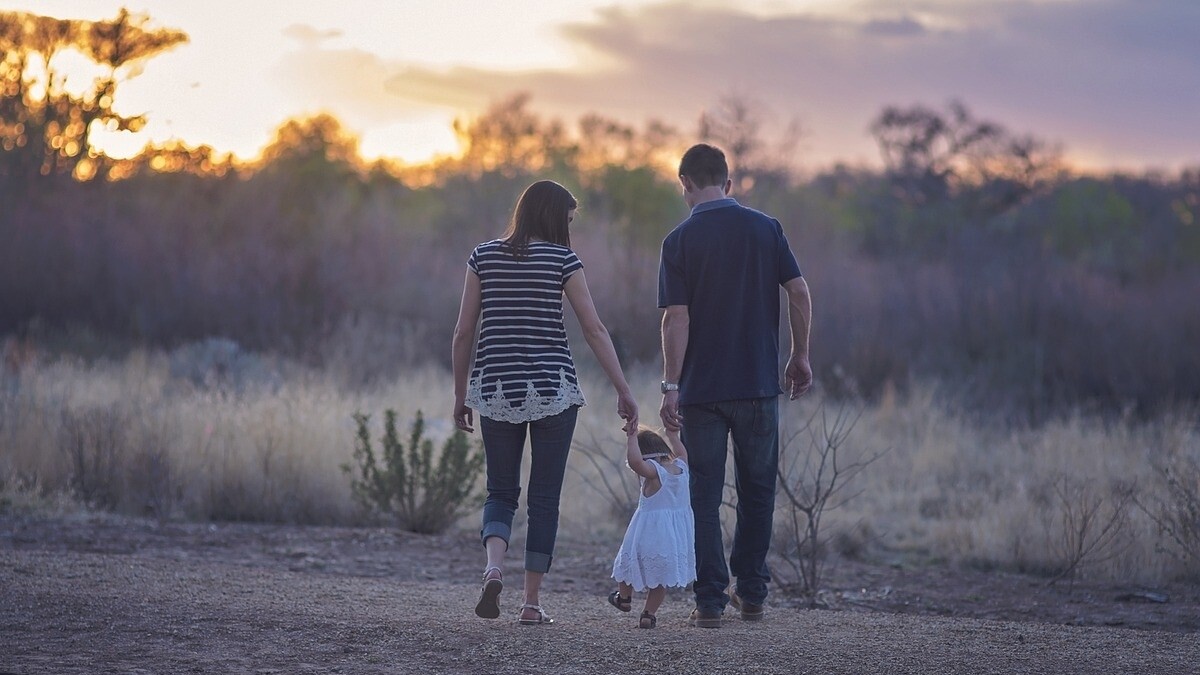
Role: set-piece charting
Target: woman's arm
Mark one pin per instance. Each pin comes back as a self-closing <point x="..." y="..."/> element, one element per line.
<point x="462" y="345"/>
<point x="633" y="455"/>
<point x="601" y="343"/>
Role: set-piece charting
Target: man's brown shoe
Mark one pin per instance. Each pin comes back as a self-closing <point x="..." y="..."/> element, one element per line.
<point x="705" y="618"/>
<point x="749" y="610"/>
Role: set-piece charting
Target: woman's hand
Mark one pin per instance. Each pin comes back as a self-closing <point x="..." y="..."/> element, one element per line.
<point x="628" y="410"/>
<point x="463" y="417"/>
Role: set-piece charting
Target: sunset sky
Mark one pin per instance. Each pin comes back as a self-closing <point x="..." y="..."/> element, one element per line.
<point x="1115" y="82"/>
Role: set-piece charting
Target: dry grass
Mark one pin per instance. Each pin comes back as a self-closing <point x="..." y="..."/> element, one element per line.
<point x="268" y="447"/>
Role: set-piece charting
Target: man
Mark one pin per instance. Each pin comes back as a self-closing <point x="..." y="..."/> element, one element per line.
<point x="719" y="279"/>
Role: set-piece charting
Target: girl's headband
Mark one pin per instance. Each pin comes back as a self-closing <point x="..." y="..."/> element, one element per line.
<point x="656" y="454"/>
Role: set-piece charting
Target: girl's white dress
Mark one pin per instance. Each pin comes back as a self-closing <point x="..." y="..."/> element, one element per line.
<point x="659" y="546"/>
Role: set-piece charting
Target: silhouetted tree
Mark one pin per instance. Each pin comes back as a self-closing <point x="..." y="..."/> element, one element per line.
<point x="45" y="129"/>
<point x="735" y="124"/>
<point x="509" y="138"/>
<point x="932" y="156"/>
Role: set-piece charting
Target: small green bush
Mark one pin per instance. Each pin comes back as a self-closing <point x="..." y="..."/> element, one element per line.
<point x="405" y="485"/>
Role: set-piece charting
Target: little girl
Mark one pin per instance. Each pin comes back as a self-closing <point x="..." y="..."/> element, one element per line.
<point x="659" y="546"/>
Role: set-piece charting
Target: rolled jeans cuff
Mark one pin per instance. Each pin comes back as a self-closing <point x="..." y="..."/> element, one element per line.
<point x="537" y="562"/>
<point x="495" y="529"/>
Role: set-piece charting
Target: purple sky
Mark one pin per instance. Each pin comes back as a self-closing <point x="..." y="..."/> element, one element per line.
<point x="1115" y="82"/>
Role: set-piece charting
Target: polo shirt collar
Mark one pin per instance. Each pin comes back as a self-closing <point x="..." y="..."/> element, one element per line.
<point x="714" y="204"/>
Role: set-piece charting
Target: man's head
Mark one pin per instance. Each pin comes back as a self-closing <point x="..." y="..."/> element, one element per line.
<point x="703" y="166"/>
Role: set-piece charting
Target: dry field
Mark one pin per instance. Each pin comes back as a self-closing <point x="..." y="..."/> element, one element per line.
<point x="939" y="559"/>
<point x="209" y="433"/>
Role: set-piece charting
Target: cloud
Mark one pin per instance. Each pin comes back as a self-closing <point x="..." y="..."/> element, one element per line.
<point x="308" y="36"/>
<point x="902" y="27"/>
<point x="1115" y="81"/>
<point x="351" y="83"/>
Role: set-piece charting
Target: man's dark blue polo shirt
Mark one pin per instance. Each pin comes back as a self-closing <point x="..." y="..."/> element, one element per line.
<point x="726" y="263"/>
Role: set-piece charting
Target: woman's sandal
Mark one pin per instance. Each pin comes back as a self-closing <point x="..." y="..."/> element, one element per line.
<point x="542" y="617"/>
<point x="488" y="606"/>
<point x="623" y="604"/>
<point x="648" y="620"/>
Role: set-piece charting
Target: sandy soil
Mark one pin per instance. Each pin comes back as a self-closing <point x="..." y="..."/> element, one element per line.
<point x="99" y="594"/>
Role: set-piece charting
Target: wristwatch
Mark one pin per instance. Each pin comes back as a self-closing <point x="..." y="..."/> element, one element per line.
<point x="665" y="386"/>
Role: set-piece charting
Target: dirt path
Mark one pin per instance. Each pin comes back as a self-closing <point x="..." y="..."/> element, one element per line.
<point x="100" y="595"/>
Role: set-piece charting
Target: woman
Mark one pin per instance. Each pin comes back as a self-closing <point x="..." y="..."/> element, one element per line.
<point x="524" y="379"/>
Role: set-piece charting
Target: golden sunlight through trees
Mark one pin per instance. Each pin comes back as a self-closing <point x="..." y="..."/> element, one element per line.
<point x="44" y="126"/>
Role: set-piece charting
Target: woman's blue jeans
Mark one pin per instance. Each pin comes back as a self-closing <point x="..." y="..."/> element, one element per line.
<point x="504" y="446"/>
<point x="754" y="426"/>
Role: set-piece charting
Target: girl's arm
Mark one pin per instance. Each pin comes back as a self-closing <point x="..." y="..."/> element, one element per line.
<point x="677" y="444"/>
<point x="601" y="343"/>
<point x="633" y="455"/>
<point x="462" y="345"/>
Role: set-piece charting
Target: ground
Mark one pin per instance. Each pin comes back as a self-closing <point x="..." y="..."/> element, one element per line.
<point x="101" y="594"/>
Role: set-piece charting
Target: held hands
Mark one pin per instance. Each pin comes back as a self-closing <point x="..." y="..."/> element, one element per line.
<point x="798" y="377"/>
<point x="628" y="410"/>
<point x="669" y="412"/>
<point x="463" y="417"/>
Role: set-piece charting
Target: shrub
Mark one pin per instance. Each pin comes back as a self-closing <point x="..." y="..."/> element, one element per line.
<point x="608" y="477"/>
<point x="1175" y="509"/>
<point x="1088" y="525"/>
<point x="403" y="483"/>
<point x="814" y="482"/>
<point x="93" y="441"/>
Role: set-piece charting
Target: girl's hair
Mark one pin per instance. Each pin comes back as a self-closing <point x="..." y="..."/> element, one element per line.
<point x="541" y="213"/>
<point x="650" y="443"/>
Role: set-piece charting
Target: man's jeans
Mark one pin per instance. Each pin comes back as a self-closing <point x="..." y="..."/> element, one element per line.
<point x="754" y="426"/>
<point x="504" y="446"/>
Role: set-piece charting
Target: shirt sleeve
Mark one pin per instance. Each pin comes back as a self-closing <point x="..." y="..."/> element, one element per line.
<point x="571" y="264"/>
<point x="788" y="267"/>
<point x="672" y="282"/>
<point x="473" y="261"/>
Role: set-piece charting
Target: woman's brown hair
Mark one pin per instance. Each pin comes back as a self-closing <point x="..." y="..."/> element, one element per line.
<point x="542" y="212"/>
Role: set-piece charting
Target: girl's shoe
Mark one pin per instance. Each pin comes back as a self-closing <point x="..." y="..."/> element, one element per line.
<point x="541" y="618"/>
<point x="647" y="621"/>
<point x="488" y="606"/>
<point x="623" y="604"/>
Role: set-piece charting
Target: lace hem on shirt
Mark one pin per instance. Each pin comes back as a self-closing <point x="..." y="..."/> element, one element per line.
<point x="534" y="407"/>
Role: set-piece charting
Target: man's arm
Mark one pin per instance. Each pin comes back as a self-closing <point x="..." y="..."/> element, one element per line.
<point x="674" y="344"/>
<point x="798" y="376"/>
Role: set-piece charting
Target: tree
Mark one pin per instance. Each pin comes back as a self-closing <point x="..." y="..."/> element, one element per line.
<point x="735" y="124"/>
<point x="45" y="129"/>
<point x="932" y="156"/>
<point x="510" y="139"/>
<point x="605" y="142"/>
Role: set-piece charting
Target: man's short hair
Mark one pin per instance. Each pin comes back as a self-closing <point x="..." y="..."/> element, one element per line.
<point x="705" y="165"/>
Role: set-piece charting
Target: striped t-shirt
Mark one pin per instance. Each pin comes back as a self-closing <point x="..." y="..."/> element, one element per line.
<point x="523" y="369"/>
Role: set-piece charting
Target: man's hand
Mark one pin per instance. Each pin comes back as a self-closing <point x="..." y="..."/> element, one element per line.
<point x="463" y="417"/>
<point x="669" y="411"/>
<point x="798" y="377"/>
